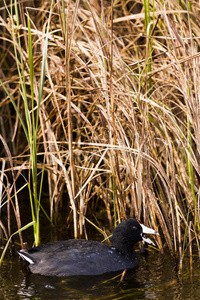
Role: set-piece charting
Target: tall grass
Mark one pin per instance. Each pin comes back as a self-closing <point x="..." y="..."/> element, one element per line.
<point x="118" y="112"/>
<point x="31" y="123"/>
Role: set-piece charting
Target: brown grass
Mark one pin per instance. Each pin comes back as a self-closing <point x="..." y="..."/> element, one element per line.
<point x="109" y="134"/>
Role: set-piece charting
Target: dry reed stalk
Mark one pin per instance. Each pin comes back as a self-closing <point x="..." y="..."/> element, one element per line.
<point x="2" y="228"/>
<point x="17" y="211"/>
<point x="68" y="43"/>
<point x="126" y="138"/>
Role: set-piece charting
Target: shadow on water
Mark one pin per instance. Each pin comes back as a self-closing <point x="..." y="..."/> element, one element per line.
<point x="156" y="278"/>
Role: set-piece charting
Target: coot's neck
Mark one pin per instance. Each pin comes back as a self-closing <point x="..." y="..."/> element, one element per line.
<point x="123" y="246"/>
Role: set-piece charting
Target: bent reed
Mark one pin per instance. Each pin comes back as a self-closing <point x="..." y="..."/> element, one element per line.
<point x="102" y="99"/>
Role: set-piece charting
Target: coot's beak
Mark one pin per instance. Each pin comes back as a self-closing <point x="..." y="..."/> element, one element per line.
<point x="146" y="230"/>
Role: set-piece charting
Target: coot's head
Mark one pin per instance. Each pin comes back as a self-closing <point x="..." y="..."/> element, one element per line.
<point x="127" y="233"/>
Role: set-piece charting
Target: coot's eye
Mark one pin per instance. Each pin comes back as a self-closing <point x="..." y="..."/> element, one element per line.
<point x="134" y="228"/>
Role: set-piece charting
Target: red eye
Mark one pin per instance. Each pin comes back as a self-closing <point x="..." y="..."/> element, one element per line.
<point x="134" y="228"/>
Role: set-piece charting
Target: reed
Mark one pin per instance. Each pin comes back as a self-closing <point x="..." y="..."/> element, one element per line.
<point x="31" y="123"/>
<point x="116" y="114"/>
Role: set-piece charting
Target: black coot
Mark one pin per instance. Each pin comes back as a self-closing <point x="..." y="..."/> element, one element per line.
<point x="81" y="257"/>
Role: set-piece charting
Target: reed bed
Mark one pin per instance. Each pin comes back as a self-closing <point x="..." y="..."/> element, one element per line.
<point x="102" y="98"/>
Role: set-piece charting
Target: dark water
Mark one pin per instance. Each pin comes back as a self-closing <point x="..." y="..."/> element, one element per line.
<point x="156" y="278"/>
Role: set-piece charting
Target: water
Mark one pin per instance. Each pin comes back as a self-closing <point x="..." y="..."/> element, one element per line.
<point x="156" y="278"/>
